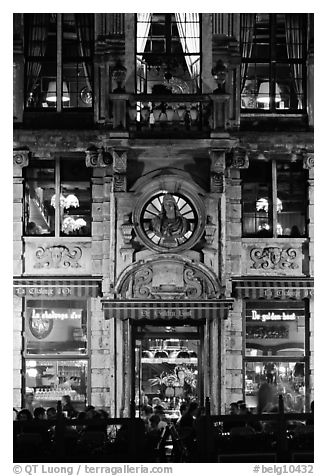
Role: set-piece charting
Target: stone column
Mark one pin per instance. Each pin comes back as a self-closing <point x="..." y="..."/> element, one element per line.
<point x="109" y="51"/>
<point x="232" y="365"/>
<point x="101" y="353"/>
<point x="310" y="73"/>
<point x="225" y="48"/>
<point x="308" y="163"/>
<point x="232" y="362"/>
<point x="21" y="160"/>
<point x="17" y="351"/>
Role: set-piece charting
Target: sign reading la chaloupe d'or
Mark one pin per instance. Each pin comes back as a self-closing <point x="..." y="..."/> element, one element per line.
<point x="42" y="291"/>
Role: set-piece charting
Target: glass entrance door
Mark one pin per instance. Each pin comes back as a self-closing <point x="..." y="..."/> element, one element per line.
<point x="167" y="366"/>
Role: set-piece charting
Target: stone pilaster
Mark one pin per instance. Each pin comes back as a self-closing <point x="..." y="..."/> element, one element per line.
<point x="101" y="350"/>
<point x="232" y="362"/>
<point x="109" y="51"/>
<point x="17" y="351"/>
<point x="308" y="163"/>
<point x="20" y="160"/>
<point x="18" y="68"/>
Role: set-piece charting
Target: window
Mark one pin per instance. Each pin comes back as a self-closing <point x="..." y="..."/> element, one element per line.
<point x="276" y="352"/>
<point x="274" y="199"/>
<point x="56" y="350"/>
<point x="58" y="61"/>
<point x="168" y="53"/>
<point x="273" y="62"/>
<point x="57" y="198"/>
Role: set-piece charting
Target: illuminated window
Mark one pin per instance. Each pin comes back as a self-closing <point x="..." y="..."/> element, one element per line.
<point x="58" y="59"/>
<point x="57" y="198"/>
<point x="276" y="352"/>
<point x="273" y="62"/>
<point x="168" y="53"/>
<point x="274" y="199"/>
<point x="56" y="351"/>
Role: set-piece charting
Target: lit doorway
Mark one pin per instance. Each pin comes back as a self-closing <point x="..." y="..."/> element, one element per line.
<point x="167" y="366"/>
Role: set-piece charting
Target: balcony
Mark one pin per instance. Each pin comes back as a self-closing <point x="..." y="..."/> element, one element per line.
<point x="169" y="116"/>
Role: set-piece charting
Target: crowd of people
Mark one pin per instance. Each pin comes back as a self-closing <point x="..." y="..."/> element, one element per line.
<point x="156" y="429"/>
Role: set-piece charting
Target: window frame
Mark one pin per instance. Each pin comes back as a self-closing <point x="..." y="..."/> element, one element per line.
<point x="272" y="215"/>
<point x="167" y="54"/>
<point x="58" y="107"/>
<point x="274" y="61"/>
<point x="58" y="357"/>
<point x="305" y="359"/>
<point x="57" y="191"/>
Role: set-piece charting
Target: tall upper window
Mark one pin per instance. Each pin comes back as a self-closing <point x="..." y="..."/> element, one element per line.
<point x="57" y="198"/>
<point x="168" y="53"/>
<point x="58" y="52"/>
<point x="274" y="199"/>
<point x="273" y="62"/>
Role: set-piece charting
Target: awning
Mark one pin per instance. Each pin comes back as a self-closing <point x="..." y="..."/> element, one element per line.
<point x="35" y="287"/>
<point x="169" y="309"/>
<point x="281" y="288"/>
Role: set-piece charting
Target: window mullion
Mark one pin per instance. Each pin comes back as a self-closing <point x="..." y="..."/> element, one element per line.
<point x="57" y="191"/>
<point x="274" y="198"/>
<point x="59" y="62"/>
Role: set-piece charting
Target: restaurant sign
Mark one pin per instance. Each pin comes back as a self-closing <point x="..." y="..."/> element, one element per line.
<point x="272" y="316"/>
<point x="42" y="291"/>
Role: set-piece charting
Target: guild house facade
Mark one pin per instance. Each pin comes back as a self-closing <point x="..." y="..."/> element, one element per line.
<point x="163" y="208"/>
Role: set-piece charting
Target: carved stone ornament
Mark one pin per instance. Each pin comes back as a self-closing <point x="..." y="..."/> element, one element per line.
<point x="210" y="230"/>
<point x="97" y="157"/>
<point x="308" y="161"/>
<point x="21" y="158"/>
<point x="170" y="278"/>
<point x="119" y="164"/>
<point x="237" y="158"/>
<point x="127" y="229"/>
<point x="217" y="182"/>
<point x="58" y="257"/>
<point x="274" y="258"/>
<point x="120" y="183"/>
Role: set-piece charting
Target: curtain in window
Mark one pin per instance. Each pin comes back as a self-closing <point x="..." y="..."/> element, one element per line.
<point x="294" y="44"/>
<point x="37" y="36"/>
<point x="247" y="32"/>
<point x="188" y="25"/>
<point x="143" y="27"/>
<point x="85" y="37"/>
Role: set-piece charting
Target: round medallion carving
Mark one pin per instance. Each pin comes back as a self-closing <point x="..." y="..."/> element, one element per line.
<point x="166" y="221"/>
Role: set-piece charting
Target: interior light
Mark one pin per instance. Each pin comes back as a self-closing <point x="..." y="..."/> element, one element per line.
<point x="263" y="94"/>
<point x="52" y="92"/>
<point x="31" y="372"/>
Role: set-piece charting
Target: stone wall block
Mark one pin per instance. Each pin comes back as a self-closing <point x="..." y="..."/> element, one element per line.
<point x="97" y="192"/>
<point x="97" y="266"/>
<point x="233" y="360"/>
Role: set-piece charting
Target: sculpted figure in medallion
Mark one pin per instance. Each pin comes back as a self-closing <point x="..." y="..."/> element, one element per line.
<point x="170" y="223"/>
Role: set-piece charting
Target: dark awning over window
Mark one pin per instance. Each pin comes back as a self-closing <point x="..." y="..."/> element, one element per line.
<point x="169" y="309"/>
<point x="281" y="288"/>
<point x="33" y="287"/>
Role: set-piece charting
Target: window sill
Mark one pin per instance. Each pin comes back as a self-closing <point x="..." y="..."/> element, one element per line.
<point x="45" y="238"/>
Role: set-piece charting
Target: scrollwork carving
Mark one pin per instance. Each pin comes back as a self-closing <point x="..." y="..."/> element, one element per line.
<point x="21" y="157"/>
<point x="238" y="158"/>
<point x="58" y="257"/>
<point x="97" y="157"/>
<point x="274" y="258"/>
<point x="193" y="285"/>
<point x="142" y="283"/>
<point x="308" y="161"/>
